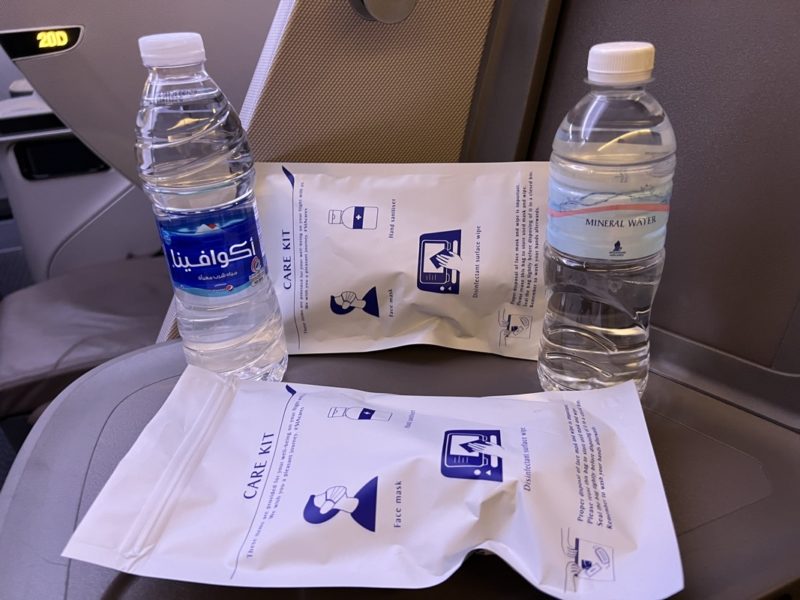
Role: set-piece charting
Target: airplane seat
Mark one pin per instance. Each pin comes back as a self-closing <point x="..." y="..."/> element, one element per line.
<point x="444" y="102"/>
<point x="88" y="242"/>
<point x="454" y="81"/>
<point x="57" y="329"/>
<point x="437" y="113"/>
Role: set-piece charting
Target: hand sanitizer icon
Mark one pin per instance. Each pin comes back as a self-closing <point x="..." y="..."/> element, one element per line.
<point x="355" y="217"/>
<point x="358" y="413"/>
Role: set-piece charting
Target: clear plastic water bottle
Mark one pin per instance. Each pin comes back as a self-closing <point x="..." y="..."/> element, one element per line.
<point x="610" y="185"/>
<point x="196" y="167"/>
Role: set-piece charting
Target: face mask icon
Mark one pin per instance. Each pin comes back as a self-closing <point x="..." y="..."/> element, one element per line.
<point x="361" y="506"/>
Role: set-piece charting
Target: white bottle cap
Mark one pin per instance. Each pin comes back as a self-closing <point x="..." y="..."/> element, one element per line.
<point x="334" y="217"/>
<point x="621" y="63"/>
<point x="172" y="49"/>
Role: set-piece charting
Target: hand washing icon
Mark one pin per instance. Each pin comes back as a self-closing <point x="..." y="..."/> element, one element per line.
<point x="586" y="560"/>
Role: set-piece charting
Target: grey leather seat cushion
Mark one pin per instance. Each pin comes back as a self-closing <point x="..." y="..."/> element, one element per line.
<point x="78" y="320"/>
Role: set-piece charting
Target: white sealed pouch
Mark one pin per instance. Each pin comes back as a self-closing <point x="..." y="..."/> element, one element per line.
<point x="373" y="256"/>
<point x="292" y="485"/>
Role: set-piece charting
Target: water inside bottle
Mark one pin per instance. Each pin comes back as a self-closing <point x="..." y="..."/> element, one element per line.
<point x="595" y="331"/>
<point x="196" y="167"/>
<point x="617" y="143"/>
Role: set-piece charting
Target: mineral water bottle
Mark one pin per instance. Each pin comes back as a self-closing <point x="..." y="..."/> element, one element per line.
<point x="610" y="184"/>
<point x="195" y="165"/>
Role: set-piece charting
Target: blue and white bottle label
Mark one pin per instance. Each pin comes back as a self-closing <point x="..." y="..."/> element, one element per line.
<point x="608" y="225"/>
<point x="215" y="253"/>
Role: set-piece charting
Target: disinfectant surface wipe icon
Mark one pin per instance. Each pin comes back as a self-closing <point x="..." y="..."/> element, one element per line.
<point x="439" y="262"/>
<point x="355" y="217"/>
<point x="472" y="454"/>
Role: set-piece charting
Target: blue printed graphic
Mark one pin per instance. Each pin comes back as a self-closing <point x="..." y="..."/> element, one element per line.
<point x="348" y="301"/>
<point x="586" y="560"/>
<point x="289" y="175"/>
<point x="358" y="413"/>
<point x="514" y="327"/>
<point x="439" y="264"/>
<point x="472" y="454"/>
<point x="617" y="250"/>
<point x="358" y="217"/>
<point x="355" y="217"/>
<point x="215" y="253"/>
<point x="361" y="506"/>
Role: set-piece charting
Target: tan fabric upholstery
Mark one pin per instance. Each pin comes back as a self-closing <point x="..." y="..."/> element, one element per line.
<point x="344" y="89"/>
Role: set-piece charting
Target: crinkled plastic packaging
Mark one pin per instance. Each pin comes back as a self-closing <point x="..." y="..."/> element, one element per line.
<point x="372" y="256"/>
<point x="293" y="485"/>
